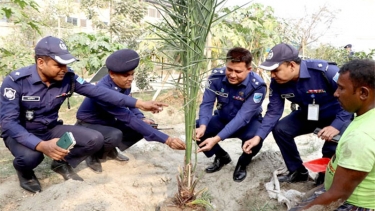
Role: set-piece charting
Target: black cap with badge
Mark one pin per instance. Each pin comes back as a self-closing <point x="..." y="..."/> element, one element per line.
<point x="279" y="54"/>
<point x="348" y="46"/>
<point x="54" y="48"/>
<point x="122" y="61"/>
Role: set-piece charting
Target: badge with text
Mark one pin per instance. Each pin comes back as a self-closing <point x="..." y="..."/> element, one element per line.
<point x="313" y="112"/>
<point x="30" y="98"/>
<point x="289" y="95"/>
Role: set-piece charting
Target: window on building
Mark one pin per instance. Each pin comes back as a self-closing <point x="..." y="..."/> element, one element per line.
<point x="154" y="13"/>
<point x="83" y="23"/>
<point x="158" y="15"/>
<point x="71" y="20"/>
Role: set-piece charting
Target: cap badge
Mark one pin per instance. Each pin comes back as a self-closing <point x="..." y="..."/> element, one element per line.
<point x="62" y="46"/>
<point x="270" y="55"/>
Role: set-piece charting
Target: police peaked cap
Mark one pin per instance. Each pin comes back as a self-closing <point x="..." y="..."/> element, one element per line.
<point x="122" y="61"/>
<point x="279" y="54"/>
<point x="54" y="48"/>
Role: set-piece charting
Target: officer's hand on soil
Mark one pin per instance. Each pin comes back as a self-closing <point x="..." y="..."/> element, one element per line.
<point x="175" y="143"/>
<point x="207" y="144"/>
<point x="327" y="133"/>
<point x="50" y="149"/>
<point x="199" y="132"/>
<point x="249" y="144"/>
<point x="154" y="107"/>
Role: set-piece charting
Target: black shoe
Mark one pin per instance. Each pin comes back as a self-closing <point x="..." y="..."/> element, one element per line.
<point x="295" y="176"/>
<point x="28" y="181"/>
<point x="94" y="163"/>
<point x="319" y="179"/>
<point x="239" y="173"/>
<point x="218" y="163"/>
<point x="113" y="154"/>
<point x="65" y="170"/>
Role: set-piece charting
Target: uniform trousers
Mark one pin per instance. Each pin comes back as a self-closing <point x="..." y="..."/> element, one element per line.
<point x="216" y="124"/>
<point x="117" y="135"/>
<point x="296" y="124"/>
<point x="87" y="142"/>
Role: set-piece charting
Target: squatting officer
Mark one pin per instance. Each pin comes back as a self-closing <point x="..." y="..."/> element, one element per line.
<point x="239" y="93"/>
<point x="310" y="84"/>
<point x="30" y="100"/>
<point x="123" y="126"/>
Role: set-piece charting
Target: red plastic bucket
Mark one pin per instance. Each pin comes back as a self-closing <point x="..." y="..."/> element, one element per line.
<point x="317" y="165"/>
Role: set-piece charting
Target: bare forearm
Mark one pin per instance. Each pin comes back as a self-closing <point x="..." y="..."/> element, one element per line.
<point x="327" y="199"/>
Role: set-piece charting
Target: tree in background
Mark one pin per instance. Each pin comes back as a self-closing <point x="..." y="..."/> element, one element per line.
<point x="253" y="28"/>
<point x="17" y="50"/>
<point x="92" y="51"/>
<point x="307" y="30"/>
<point x="125" y="17"/>
<point x="15" y="12"/>
<point x="337" y="55"/>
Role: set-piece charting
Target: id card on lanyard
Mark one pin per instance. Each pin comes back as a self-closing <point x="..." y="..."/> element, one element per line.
<point x="313" y="110"/>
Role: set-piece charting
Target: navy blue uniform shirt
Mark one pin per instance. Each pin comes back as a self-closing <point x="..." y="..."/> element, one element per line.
<point x="314" y="75"/>
<point x="95" y="112"/>
<point x="27" y="104"/>
<point x="236" y="104"/>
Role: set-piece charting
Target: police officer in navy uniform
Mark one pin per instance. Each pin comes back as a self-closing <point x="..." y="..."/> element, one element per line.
<point x="30" y="100"/>
<point x="348" y="48"/>
<point x="239" y="93"/>
<point x="310" y="84"/>
<point x="121" y="127"/>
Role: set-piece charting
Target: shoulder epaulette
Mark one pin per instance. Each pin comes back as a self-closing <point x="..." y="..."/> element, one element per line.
<point x="317" y="65"/>
<point x="256" y="80"/>
<point x="20" y="73"/>
<point x="218" y="71"/>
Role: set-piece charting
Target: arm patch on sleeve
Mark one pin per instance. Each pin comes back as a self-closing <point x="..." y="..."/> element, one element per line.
<point x="257" y="97"/>
<point x="80" y="80"/>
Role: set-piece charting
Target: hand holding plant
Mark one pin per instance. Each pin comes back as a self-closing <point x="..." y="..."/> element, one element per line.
<point x="175" y="143"/>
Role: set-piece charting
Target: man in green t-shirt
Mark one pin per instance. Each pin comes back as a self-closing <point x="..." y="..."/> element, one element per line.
<point x="350" y="175"/>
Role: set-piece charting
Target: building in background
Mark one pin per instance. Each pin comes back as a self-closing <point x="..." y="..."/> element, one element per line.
<point x="78" y="21"/>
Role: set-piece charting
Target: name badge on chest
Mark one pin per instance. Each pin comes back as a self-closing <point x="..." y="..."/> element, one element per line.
<point x="30" y="98"/>
<point x="313" y="110"/>
<point x="289" y="95"/>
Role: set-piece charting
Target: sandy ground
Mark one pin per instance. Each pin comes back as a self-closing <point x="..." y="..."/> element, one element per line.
<point x="150" y="177"/>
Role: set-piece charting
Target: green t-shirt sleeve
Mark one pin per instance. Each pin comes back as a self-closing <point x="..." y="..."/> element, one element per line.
<point x="358" y="152"/>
